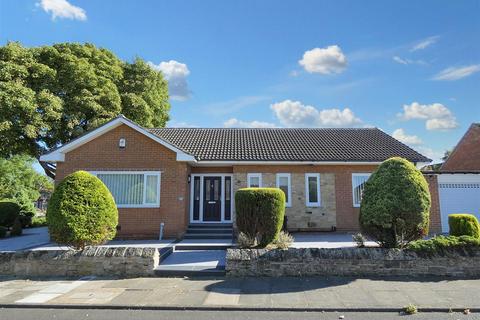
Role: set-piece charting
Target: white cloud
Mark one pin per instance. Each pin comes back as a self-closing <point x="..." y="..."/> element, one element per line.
<point x="408" y="61"/>
<point x="327" y="60"/>
<point x="62" y="9"/>
<point x="235" y="123"/>
<point x="176" y="74"/>
<point x="437" y="116"/>
<point x="435" y="155"/>
<point x="295" y="114"/>
<point x="425" y="43"/>
<point x="180" y="124"/>
<point x="401" y="136"/>
<point x="456" y="73"/>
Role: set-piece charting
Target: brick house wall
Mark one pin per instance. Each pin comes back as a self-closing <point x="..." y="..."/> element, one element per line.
<point x="466" y="155"/>
<point x="143" y="154"/>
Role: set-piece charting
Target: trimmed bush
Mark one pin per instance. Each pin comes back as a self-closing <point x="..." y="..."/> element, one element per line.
<point x="395" y="207"/>
<point x="26" y="219"/>
<point x="3" y="232"/>
<point x="9" y="211"/>
<point x="442" y="244"/>
<point x="82" y="211"/>
<point x="16" y="228"/>
<point x="39" y="222"/>
<point x="260" y="213"/>
<point x="463" y="224"/>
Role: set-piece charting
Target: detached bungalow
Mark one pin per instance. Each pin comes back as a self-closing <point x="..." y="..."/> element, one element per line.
<point x="182" y="176"/>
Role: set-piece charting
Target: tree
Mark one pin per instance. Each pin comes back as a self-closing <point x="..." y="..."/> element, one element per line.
<point x="395" y="206"/>
<point x="20" y="182"/>
<point x="82" y="211"/>
<point x="52" y="94"/>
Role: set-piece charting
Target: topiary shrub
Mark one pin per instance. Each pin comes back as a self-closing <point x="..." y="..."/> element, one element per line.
<point x="260" y="213"/>
<point x="463" y="224"/>
<point x="9" y="211"/>
<point x="395" y="207"/>
<point x="16" y="228"/>
<point x="81" y="211"/>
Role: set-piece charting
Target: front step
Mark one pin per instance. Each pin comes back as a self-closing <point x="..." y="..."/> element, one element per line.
<point x="207" y="236"/>
<point x="209" y="230"/>
<point x="192" y="263"/>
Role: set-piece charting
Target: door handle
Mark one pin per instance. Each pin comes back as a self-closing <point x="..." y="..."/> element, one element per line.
<point x="211" y="202"/>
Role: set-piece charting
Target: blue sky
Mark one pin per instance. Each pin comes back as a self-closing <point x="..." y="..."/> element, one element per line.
<point x="411" y="68"/>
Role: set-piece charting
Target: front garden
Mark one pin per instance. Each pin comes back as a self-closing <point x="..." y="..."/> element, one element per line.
<point x="394" y="213"/>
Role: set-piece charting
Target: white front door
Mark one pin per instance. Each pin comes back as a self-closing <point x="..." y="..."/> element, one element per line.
<point x="211" y="198"/>
<point x="458" y="193"/>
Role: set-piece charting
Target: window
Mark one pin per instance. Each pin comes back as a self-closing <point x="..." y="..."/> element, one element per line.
<point x="132" y="189"/>
<point x="312" y="189"/>
<point x="358" y="183"/>
<point x="283" y="182"/>
<point x="254" y="180"/>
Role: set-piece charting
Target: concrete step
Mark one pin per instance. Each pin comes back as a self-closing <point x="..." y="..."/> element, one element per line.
<point x="210" y="225"/>
<point x="204" y="244"/>
<point x="207" y="236"/>
<point x="209" y="230"/>
<point x="192" y="263"/>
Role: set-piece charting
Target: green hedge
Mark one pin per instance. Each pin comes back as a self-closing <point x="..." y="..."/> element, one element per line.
<point x="395" y="207"/>
<point x="462" y="224"/>
<point x="9" y="212"/>
<point x="260" y="213"/>
<point x="442" y="244"/>
<point x="82" y="211"/>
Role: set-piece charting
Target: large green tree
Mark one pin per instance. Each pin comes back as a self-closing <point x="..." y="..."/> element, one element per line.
<point x="20" y="182"/>
<point x="52" y="94"/>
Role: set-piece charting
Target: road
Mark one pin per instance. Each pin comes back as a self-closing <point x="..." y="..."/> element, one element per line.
<point x="70" y="314"/>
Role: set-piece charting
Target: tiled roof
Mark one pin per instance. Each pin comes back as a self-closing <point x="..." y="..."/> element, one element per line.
<point x="326" y="144"/>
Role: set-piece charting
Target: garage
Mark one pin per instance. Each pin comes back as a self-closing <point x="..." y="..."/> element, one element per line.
<point x="458" y="193"/>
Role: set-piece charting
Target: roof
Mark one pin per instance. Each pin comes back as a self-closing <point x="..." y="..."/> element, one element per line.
<point x="287" y="144"/>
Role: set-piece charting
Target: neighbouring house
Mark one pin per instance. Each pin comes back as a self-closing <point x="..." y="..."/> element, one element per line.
<point x="459" y="178"/>
<point x="181" y="176"/>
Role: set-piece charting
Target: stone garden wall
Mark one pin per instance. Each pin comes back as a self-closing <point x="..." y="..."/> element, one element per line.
<point x="99" y="261"/>
<point x="351" y="262"/>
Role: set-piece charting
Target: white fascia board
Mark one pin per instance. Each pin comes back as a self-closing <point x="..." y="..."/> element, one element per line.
<point x="319" y="163"/>
<point x="58" y="155"/>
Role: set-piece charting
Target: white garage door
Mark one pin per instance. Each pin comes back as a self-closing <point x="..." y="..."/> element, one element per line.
<point x="459" y="193"/>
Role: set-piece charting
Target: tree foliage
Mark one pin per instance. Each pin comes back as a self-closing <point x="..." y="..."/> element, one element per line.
<point x="396" y="202"/>
<point x="50" y="95"/>
<point x="21" y="183"/>
<point x="82" y="211"/>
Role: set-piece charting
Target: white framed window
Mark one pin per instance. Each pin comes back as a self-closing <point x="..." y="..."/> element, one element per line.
<point x="254" y="180"/>
<point x="312" y="189"/>
<point x="358" y="184"/>
<point x="133" y="189"/>
<point x="284" y="183"/>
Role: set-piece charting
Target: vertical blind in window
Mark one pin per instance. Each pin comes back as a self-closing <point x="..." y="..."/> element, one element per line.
<point x="132" y="189"/>
<point x="358" y="184"/>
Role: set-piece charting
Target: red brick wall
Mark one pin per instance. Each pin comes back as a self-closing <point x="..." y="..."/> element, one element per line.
<point x="466" y="155"/>
<point x="347" y="215"/>
<point x="435" y="222"/>
<point x="141" y="153"/>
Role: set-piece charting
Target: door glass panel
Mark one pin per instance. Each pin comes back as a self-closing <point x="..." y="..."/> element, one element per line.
<point x="227" y="188"/>
<point x="228" y="191"/>
<point x="207" y="189"/>
<point x="196" y="198"/>
<point x="216" y="189"/>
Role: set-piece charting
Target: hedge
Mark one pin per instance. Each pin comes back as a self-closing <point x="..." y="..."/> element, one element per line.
<point x="443" y="244"/>
<point x="260" y="213"/>
<point x="81" y="211"/>
<point x="463" y="224"/>
<point x="9" y="212"/>
<point x="396" y="202"/>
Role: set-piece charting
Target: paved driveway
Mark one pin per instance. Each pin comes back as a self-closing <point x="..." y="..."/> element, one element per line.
<point x="31" y="237"/>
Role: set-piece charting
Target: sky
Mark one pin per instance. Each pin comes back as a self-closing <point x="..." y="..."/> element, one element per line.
<point x="410" y="68"/>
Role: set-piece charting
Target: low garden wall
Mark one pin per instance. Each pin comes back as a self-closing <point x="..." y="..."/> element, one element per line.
<point x="351" y="262"/>
<point x="100" y="261"/>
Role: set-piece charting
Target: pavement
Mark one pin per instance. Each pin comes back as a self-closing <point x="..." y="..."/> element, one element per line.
<point x="84" y="314"/>
<point x="282" y="294"/>
<point x="325" y="240"/>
